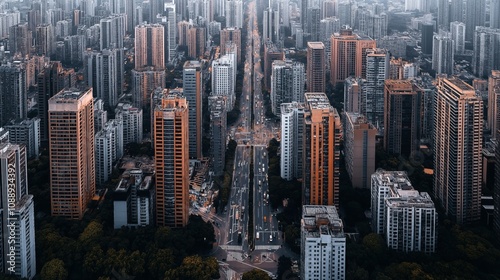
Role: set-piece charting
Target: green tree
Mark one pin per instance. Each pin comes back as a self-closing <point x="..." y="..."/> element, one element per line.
<point x="54" y="270"/>
<point x="194" y="268"/>
<point x="160" y="262"/>
<point x="94" y="261"/>
<point x="92" y="233"/>
<point x="256" y="274"/>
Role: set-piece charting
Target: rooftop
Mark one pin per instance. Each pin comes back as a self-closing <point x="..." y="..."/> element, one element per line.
<point x="320" y="220"/>
<point x="317" y="100"/>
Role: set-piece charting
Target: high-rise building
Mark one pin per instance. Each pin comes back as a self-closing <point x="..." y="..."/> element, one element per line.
<point x="402" y="70"/>
<point x="169" y="22"/>
<point x="143" y="84"/>
<point x="457" y="10"/>
<point x="359" y="149"/>
<point x="18" y="217"/>
<point x="171" y="145"/>
<point x="372" y="99"/>
<point x="196" y="42"/>
<point x="44" y="40"/>
<point x="218" y="123"/>
<point x="404" y="108"/>
<point x="495" y="14"/>
<point x="223" y="80"/>
<point x="71" y="152"/>
<point x="322" y="134"/>
<point x="133" y="199"/>
<point x="442" y="54"/>
<point x="316" y="67"/>
<point x="149" y="47"/>
<point x="271" y="53"/>
<point x="323" y="243"/>
<point x="313" y="18"/>
<point x="484" y="59"/>
<point x="234" y="13"/>
<point x="132" y="120"/>
<point x="475" y="15"/>
<point x="193" y="91"/>
<point x="291" y="144"/>
<point x="108" y="149"/>
<point x="112" y="31"/>
<point x="102" y="71"/>
<point x="427" y="38"/>
<point x="271" y="26"/>
<point x="348" y="55"/>
<point x="231" y="35"/>
<point x="13" y="92"/>
<point x="407" y="218"/>
<point x="51" y="80"/>
<point x="496" y="192"/>
<point x="457" y="30"/>
<point x="20" y="40"/>
<point x="443" y="16"/>
<point x="26" y="132"/>
<point x="287" y="84"/>
<point x="458" y="130"/>
<point x="353" y="95"/>
<point x="494" y="103"/>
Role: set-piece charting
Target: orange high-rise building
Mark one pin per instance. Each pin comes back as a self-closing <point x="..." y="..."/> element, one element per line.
<point x="321" y="152"/>
<point x="71" y="150"/>
<point x="171" y="145"/>
<point x="316" y="67"/>
<point x="348" y="55"/>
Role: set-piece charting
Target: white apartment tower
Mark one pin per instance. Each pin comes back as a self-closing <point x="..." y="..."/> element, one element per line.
<point x="486" y="42"/>
<point x="407" y="218"/>
<point x="457" y="30"/>
<point x="18" y="241"/>
<point x="234" y="13"/>
<point x="132" y="119"/>
<point x="323" y="244"/>
<point x="442" y="54"/>
<point x="458" y="132"/>
<point x="223" y="80"/>
<point x="292" y="119"/>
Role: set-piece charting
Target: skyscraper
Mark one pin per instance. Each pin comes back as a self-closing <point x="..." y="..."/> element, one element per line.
<point x="223" y="80"/>
<point x="458" y="130"/>
<point x="234" y="13"/>
<point x="372" y="99"/>
<point x="287" y="84"/>
<point x="407" y="218"/>
<point x="443" y="16"/>
<point x="322" y="134"/>
<point x="316" y="67"/>
<point x="26" y="132"/>
<point x="71" y="150"/>
<point x="171" y="145"/>
<point x="51" y="80"/>
<point x="475" y="15"/>
<point x="218" y="123"/>
<point x="143" y="83"/>
<point x="20" y="40"/>
<point x="442" y="54"/>
<point x="291" y="145"/>
<point x="231" y="35"/>
<point x="13" y="92"/>
<point x="495" y="14"/>
<point x="112" y="31"/>
<point x="102" y="73"/>
<point x="271" y="53"/>
<point x="359" y="149"/>
<point x="348" y="55"/>
<point x="44" y="40"/>
<point x="322" y="234"/>
<point x="193" y="91"/>
<point x="132" y="121"/>
<point x="149" y="47"/>
<point x="485" y="57"/>
<point x="494" y="103"/>
<point x="427" y="35"/>
<point x="353" y="95"/>
<point x="196" y="42"/>
<point x="404" y="107"/>
<point x="457" y="30"/>
<point x="18" y="217"/>
<point x="271" y="26"/>
<point x="313" y="19"/>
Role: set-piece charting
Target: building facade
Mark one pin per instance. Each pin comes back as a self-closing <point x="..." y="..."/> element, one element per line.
<point x="458" y="130"/>
<point x="287" y="84"/>
<point x="171" y="146"/>
<point x="193" y="91"/>
<point x="149" y="47"/>
<point x="291" y="144"/>
<point x="218" y="124"/>
<point x="71" y="150"/>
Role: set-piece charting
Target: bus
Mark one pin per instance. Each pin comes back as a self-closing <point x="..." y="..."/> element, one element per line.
<point x="237" y="216"/>
<point x="257" y="236"/>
